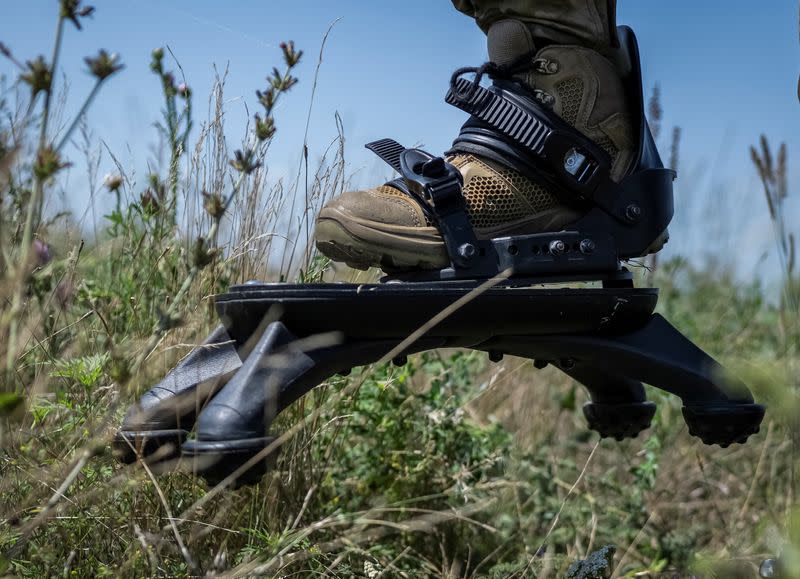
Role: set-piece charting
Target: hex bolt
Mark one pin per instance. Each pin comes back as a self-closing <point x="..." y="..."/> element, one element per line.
<point x="558" y="247"/>
<point x="587" y="246"/>
<point x="633" y="212"/>
<point x="467" y="251"/>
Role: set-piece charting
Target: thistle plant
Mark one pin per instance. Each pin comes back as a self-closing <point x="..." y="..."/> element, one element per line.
<point x="245" y="162"/>
<point x="176" y="127"/>
<point x="48" y="163"/>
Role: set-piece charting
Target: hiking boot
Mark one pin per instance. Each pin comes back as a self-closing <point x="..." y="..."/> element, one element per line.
<point x="387" y="228"/>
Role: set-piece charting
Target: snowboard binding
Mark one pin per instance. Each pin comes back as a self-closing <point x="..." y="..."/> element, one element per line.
<point x="278" y="341"/>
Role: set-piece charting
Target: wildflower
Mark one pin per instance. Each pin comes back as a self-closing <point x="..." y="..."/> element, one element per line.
<point x="214" y="204"/>
<point x="245" y="162"/>
<point x="38" y="76"/>
<point x="113" y="182"/>
<point x="265" y="128"/>
<point x="290" y="55"/>
<point x="103" y="65"/>
<point x="72" y="10"/>
<point x="184" y="90"/>
<point x="42" y="252"/>
<point x="48" y="163"/>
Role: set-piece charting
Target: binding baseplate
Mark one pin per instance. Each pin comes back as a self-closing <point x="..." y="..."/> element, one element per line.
<point x="278" y="341"/>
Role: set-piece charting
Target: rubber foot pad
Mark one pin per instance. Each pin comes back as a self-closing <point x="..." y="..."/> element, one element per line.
<point x="619" y="421"/>
<point x="724" y="425"/>
<point x="215" y="461"/>
<point x="161" y="445"/>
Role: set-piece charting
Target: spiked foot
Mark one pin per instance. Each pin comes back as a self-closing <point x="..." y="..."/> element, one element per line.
<point x="619" y="421"/>
<point x="724" y="425"/>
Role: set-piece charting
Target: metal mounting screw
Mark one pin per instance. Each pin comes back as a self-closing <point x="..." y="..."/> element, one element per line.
<point x="566" y="364"/>
<point x="633" y="212"/>
<point x="587" y="246"/>
<point x="467" y="251"/>
<point x="558" y="247"/>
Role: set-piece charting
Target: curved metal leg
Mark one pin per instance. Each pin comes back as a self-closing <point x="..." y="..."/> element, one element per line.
<point x="717" y="407"/>
<point x="619" y="407"/>
<point x="165" y="414"/>
<point x="234" y="426"/>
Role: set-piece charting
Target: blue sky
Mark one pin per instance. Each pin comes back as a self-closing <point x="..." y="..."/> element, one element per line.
<point x="728" y="72"/>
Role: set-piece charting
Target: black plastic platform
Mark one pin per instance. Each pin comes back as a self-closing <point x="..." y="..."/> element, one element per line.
<point x="283" y="340"/>
<point x="394" y="310"/>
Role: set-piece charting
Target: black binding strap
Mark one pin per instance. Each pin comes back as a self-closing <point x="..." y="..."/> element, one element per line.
<point x="389" y="150"/>
<point x="555" y="153"/>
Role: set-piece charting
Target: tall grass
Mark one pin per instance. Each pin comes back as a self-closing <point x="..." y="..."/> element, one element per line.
<point x="446" y="466"/>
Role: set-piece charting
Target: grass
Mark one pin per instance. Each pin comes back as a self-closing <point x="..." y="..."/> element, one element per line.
<point x="447" y="466"/>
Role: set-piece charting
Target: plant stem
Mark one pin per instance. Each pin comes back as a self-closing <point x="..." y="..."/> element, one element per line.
<point x="210" y="239"/>
<point x="86" y="104"/>
<point x="34" y="209"/>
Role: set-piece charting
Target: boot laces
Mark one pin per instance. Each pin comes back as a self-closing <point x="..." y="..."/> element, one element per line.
<point x="523" y="63"/>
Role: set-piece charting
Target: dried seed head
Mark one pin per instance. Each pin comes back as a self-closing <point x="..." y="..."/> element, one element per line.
<point x="73" y="11"/>
<point x="113" y="182"/>
<point x="265" y="128"/>
<point x="184" y="90"/>
<point x="5" y="50"/>
<point x="245" y="161"/>
<point x="104" y="64"/>
<point x="214" y="204"/>
<point x="281" y="83"/>
<point x="266" y="98"/>
<point x="290" y="55"/>
<point x="48" y="163"/>
<point x="37" y="75"/>
<point x="149" y="202"/>
<point x="156" y="64"/>
<point x="202" y="255"/>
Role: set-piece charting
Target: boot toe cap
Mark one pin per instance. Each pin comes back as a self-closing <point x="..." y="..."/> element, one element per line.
<point x="385" y="205"/>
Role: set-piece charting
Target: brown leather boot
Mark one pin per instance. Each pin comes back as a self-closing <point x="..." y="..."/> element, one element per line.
<point x="384" y="227"/>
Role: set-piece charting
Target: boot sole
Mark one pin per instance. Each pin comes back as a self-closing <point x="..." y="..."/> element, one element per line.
<point x="362" y="244"/>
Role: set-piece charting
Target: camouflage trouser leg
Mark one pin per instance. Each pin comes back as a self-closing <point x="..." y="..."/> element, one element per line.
<point x="590" y="23"/>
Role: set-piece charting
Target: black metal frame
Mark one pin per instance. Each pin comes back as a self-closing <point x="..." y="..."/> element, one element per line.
<point x="606" y="339"/>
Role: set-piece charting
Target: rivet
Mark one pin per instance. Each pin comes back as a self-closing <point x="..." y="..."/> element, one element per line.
<point x="587" y="246"/>
<point x="633" y="212"/>
<point x="557" y="247"/>
<point x="467" y="251"/>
